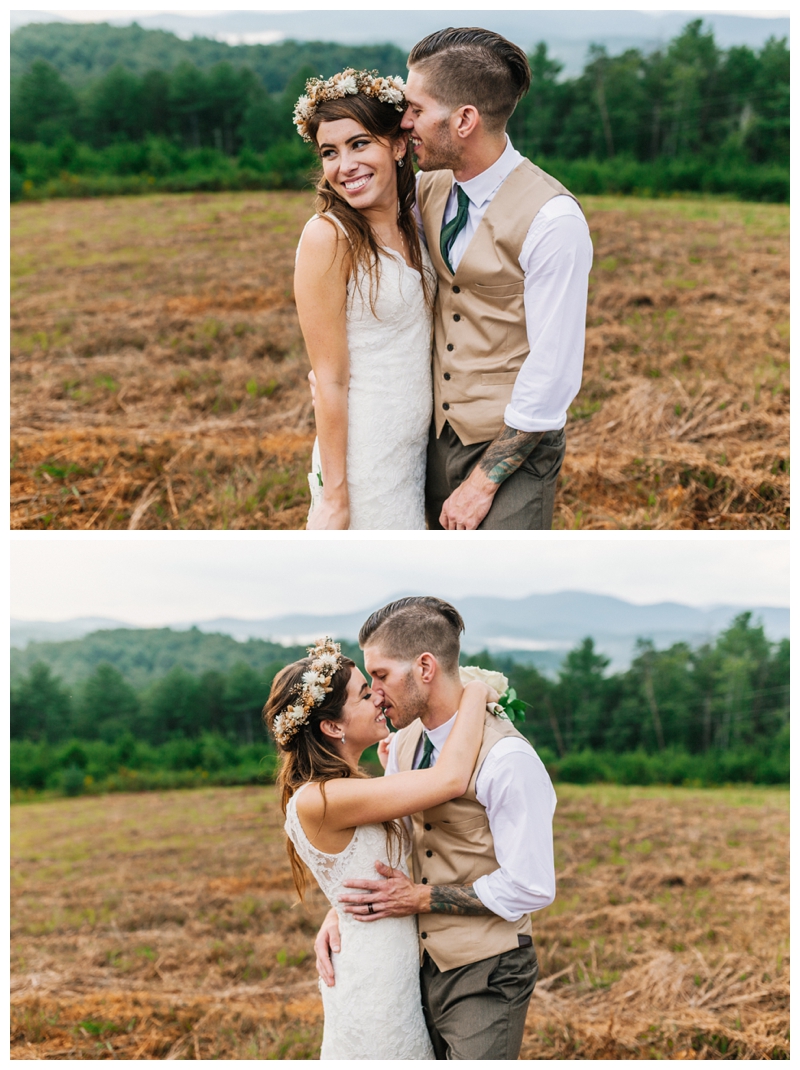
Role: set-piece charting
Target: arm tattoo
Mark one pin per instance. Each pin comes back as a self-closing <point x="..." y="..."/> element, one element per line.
<point x="504" y="456"/>
<point x="456" y="899"/>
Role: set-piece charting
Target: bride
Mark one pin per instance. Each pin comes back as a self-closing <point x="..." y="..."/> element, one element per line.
<point x="364" y="289"/>
<point x="339" y="822"/>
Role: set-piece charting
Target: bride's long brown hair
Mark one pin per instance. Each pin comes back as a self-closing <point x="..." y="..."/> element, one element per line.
<point x="310" y="755"/>
<point x="382" y="121"/>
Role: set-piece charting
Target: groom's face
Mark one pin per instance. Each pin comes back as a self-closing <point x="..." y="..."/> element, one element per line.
<point x="395" y="687"/>
<point x="428" y="124"/>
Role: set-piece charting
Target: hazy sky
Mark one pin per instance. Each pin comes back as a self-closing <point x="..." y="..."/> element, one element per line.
<point x="158" y="581"/>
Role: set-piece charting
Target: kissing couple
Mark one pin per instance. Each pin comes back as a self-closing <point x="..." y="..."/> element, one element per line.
<point x="441" y="964"/>
<point x="459" y="294"/>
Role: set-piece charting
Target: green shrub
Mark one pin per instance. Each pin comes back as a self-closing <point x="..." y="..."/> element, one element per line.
<point x="72" y="781"/>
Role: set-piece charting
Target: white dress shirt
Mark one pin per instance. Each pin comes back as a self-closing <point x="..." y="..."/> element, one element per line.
<point x="556" y="258"/>
<point x="515" y="790"/>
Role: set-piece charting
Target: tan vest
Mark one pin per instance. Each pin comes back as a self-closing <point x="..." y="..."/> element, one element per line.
<point x="480" y="333"/>
<point x="453" y="845"/>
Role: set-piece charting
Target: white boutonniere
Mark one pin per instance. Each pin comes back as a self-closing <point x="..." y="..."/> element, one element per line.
<point x="510" y="708"/>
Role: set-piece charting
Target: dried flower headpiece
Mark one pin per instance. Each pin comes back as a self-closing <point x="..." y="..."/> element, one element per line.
<point x="348" y="83"/>
<point x="326" y="659"/>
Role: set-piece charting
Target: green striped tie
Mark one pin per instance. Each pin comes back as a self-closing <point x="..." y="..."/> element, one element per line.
<point x="427" y="751"/>
<point x="454" y="227"/>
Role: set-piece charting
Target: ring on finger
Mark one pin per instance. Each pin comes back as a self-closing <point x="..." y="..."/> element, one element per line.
<point x="370" y="908"/>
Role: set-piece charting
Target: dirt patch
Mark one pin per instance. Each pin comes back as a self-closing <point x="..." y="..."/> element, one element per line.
<point x="161" y="330"/>
<point x="156" y="926"/>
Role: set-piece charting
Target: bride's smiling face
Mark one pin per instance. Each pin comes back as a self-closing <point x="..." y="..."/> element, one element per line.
<point x="363" y="723"/>
<point x="360" y="167"/>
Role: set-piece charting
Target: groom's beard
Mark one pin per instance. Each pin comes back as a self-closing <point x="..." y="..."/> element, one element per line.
<point x="411" y="702"/>
<point x="441" y="151"/>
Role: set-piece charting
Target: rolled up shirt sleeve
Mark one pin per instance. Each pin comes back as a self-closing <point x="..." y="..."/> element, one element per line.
<point x="514" y="788"/>
<point x="556" y="258"/>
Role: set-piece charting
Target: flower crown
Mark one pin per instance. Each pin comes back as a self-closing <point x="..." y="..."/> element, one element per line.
<point x="348" y="83"/>
<point x="326" y="659"/>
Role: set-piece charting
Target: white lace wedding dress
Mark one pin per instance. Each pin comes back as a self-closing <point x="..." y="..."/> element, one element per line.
<point x="390" y="399"/>
<point x="374" y="1010"/>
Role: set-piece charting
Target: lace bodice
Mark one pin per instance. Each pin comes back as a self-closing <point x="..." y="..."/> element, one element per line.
<point x="390" y="397"/>
<point x="374" y="1009"/>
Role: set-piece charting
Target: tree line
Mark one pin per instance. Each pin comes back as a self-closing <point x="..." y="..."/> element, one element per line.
<point x="703" y="714"/>
<point x="689" y="116"/>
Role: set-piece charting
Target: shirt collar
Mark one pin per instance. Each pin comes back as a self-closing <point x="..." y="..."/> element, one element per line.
<point x="438" y="736"/>
<point x="480" y="188"/>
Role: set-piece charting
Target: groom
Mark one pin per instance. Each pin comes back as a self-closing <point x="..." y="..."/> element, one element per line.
<point x="512" y="253"/>
<point x="481" y="862"/>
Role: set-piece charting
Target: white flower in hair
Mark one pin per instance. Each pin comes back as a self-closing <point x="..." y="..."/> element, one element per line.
<point x="304" y="107"/>
<point x="328" y="663"/>
<point x="391" y="93"/>
<point x="311" y="677"/>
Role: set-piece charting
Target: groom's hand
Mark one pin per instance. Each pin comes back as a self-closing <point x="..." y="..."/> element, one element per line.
<point x="395" y="897"/>
<point x="469" y="503"/>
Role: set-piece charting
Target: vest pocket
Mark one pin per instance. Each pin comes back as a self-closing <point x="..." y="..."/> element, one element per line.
<point x="499" y="378"/>
<point x="508" y="289"/>
<point x="458" y="828"/>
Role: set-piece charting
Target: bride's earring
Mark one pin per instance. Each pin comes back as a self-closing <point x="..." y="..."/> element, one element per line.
<point x="342" y="737"/>
<point x="401" y="162"/>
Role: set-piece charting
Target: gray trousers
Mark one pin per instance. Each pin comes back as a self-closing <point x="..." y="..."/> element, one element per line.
<point x="524" y="502"/>
<point x="478" y="1011"/>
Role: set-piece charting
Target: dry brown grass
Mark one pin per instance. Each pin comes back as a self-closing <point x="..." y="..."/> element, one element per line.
<point x="165" y="926"/>
<point x="158" y="373"/>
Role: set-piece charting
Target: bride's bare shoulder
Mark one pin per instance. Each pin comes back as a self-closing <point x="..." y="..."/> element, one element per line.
<point x="322" y="234"/>
<point x="309" y="802"/>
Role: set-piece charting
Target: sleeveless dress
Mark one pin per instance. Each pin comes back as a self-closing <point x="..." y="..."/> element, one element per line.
<point x="390" y="397"/>
<point x="374" y="1011"/>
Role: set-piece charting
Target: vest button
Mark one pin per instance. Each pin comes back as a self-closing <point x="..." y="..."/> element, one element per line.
<point x="456" y="317"/>
<point x="424" y="880"/>
<point x="429" y="827"/>
<point x="445" y="405"/>
<point x="429" y="854"/>
<point x="456" y="289"/>
<point x="424" y="936"/>
<point x="447" y="376"/>
<point x="450" y="347"/>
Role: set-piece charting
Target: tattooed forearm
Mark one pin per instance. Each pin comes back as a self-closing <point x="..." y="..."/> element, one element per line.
<point x="504" y="456"/>
<point x="456" y="899"/>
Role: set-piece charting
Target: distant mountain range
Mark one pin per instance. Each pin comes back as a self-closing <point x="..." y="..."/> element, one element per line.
<point x="540" y="628"/>
<point x="567" y="33"/>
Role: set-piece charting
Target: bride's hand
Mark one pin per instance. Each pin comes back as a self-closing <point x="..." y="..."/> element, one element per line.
<point x="479" y="687"/>
<point x="383" y="750"/>
<point x="329" y="517"/>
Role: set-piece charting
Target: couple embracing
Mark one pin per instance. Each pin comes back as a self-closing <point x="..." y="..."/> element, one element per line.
<point x="482" y="260"/>
<point x="438" y="964"/>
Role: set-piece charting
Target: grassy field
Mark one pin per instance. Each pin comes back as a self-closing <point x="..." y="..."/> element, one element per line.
<point x="158" y="372"/>
<point x="166" y="926"/>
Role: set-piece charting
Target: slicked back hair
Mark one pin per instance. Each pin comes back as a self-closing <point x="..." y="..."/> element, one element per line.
<point x="473" y="66"/>
<point x="412" y="626"/>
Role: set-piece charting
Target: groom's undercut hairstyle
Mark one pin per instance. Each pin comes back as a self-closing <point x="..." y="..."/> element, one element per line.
<point x="413" y="626"/>
<point x="473" y="66"/>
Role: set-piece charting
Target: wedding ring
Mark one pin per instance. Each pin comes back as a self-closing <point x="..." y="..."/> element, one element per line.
<point x="370" y="908"/>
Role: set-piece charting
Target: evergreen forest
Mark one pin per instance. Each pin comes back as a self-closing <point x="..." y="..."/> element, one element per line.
<point x="144" y="709"/>
<point x="99" y="110"/>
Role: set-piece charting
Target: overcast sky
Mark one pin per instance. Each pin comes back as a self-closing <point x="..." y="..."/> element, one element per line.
<point x="158" y="581"/>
